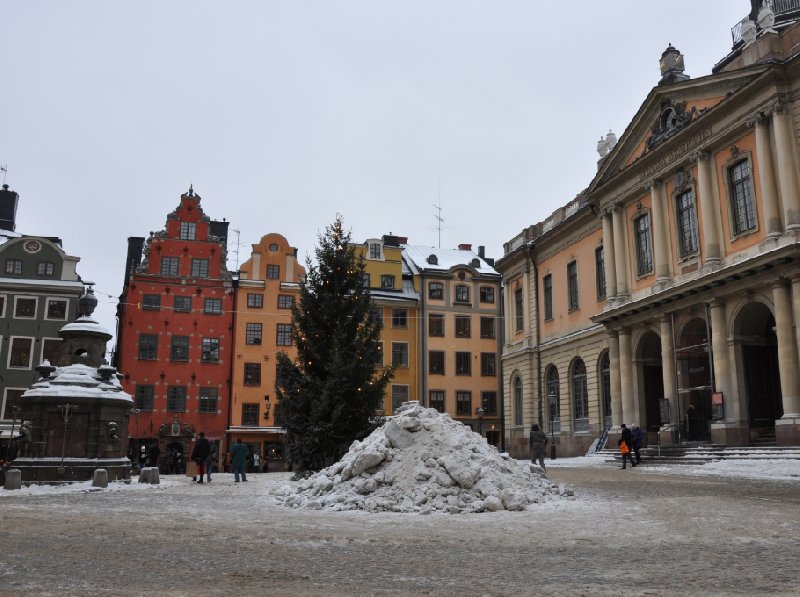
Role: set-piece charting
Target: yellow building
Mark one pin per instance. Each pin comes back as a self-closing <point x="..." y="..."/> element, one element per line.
<point x="268" y="287"/>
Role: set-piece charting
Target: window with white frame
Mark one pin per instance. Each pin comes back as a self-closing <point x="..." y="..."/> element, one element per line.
<point x="11" y="404"/>
<point x="51" y="350"/>
<point x="25" y="307"/>
<point x="400" y="354"/>
<point x="462" y="293"/>
<point x="14" y="266"/>
<point x="253" y="333"/>
<point x="374" y="250"/>
<point x="169" y="266"/>
<point x="20" y="353"/>
<point x="199" y="268"/>
<point x="45" y="269"/>
<point x="208" y="400"/>
<point x="188" y="231"/>
<point x="742" y="204"/>
<point x="56" y="309"/>
<point x="210" y="350"/>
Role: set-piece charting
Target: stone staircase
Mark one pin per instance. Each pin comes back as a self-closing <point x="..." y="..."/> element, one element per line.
<point x="698" y="453"/>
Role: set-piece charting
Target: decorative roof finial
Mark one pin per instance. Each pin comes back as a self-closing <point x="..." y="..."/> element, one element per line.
<point x="191" y="190"/>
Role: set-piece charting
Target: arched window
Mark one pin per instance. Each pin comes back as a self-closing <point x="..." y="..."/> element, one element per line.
<point x="554" y="399"/>
<point x="580" y="396"/>
<point x="517" y="401"/>
<point x="605" y="388"/>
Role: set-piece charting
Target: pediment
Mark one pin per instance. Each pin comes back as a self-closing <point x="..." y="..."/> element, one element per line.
<point x="668" y="112"/>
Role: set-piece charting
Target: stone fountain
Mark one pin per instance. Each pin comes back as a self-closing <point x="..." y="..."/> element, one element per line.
<point x="75" y="417"/>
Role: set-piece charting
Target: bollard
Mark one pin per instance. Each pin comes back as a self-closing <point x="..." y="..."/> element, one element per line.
<point x="100" y="478"/>
<point x="149" y="474"/>
<point x="13" y="479"/>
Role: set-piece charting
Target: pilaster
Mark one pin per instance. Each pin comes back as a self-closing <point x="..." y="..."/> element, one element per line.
<point x="609" y="255"/>
<point x="709" y="214"/>
<point x="787" y="350"/>
<point x="766" y="177"/>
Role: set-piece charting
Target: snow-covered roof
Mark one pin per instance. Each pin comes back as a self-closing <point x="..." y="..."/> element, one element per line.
<point x="73" y="284"/>
<point x="78" y="382"/>
<point x="84" y="323"/>
<point x="446" y="259"/>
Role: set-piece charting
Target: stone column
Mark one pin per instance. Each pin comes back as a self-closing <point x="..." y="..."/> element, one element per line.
<point x="609" y="259"/>
<point x="616" y="392"/>
<point x="709" y="212"/>
<point x="787" y="350"/>
<point x="661" y="244"/>
<point x="668" y="370"/>
<point x="766" y="178"/>
<point x="719" y="347"/>
<point x="620" y="251"/>
<point x="626" y="376"/>
<point x="794" y="411"/>
<point x="787" y="177"/>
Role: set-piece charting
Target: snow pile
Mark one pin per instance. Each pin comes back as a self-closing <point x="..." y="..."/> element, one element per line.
<point x="423" y="461"/>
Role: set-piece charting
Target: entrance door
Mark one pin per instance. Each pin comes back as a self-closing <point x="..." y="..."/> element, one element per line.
<point x="763" y="385"/>
<point x="653" y="395"/>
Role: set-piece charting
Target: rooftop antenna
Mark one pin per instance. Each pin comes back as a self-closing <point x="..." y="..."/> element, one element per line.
<point x="4" y="170"/>
<point x="438" y="215"/>
<point x="238" y="234"/>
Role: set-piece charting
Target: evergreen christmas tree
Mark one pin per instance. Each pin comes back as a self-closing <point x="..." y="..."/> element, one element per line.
<point x="327" y="398"/>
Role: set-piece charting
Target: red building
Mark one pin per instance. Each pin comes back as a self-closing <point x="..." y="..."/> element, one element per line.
<point x="174" y="333"/>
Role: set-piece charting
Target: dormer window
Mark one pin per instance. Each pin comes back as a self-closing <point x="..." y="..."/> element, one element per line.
<point x="374" y="250"/>
<point x="476" y="263"/>
<point x="433" y="259"/>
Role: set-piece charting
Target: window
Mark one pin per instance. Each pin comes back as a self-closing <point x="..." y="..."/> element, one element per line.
<point x="554" y="398"/>
<point x="399" y="354"/>
<point x="487" y="327"/>
<point x="519" y="315"/>
<point x="399" y="318"/>
<point x="253" y="333"/>
<point x="488" y="364"/>
<point x="273" y="272"/>
<point x="10" y="410"/>
<point x="2" y="306"/>
<point x="366" y="282"/>
<point x="255" y="301"/>
<point x="376" y="316"/>
<point x="687" y="224"/>
<point x="489" y="403"/>
<point x="20" y="353"/>
<point x="284" y="337"/>
<point x="572" y="284"/>
<point x="45" y="269"/>
<point x="374" y="250"/>
<point x="210" y="350"/>
<point x="51" y="350"/>
<point x="744" y="211"/>
<point x="600" y="272"/>
<point x="169" y="266"/>
<point x="252" y="374"/>
<point x="208" y="400"/>
<point x="182" y="304"/>
<point x="13" y="266"/>
<point x="151" y="302"/>
<point x="176" y="399"/>
<point x="25" y="307"/>
<point x="644" y="252"/>
<point x="462" y="293"/>
<point x="462" y="326"/>
<point x="518" y="401"/>
<point x="580" y="396"/>
<point x="399" y="396"/>
<point x="212" y="306"/>
<point x="250" y="414"/>
<point x="188" y="231"/>
<point x="436" y="362"/>
<point x="179" y="349"/>
<point x="199" y="268"/>
<point x="387" y="281"/>
<point x="435" y="290"/>
<point x="57" y="309"/>
<point x="436" y="400"/>
<point x="463" y="403"/>
<point x="436" y="325"/>
<point x="487" y="294"/>
<point x="547" y="283"/>
<point x="148" y="347"/>
<point x="144" y="397"/>
<point x="285" y="301"/>
<point x="463" y="363"/>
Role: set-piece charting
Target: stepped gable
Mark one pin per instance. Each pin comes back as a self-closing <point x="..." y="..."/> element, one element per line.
<point x="422" y="461"/>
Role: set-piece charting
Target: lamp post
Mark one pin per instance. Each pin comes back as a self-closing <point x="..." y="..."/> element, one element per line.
<point x="15" y="411"/>
<point x="480" y="412"/>
<point x="552" y="397"/>
<point x="136" y="411"/>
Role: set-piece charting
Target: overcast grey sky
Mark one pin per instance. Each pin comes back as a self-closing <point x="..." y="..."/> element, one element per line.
<point x="282" y="114"/>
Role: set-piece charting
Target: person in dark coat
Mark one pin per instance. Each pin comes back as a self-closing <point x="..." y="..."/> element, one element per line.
<point x="239" y="460"/>
<point x="638" y="441"/>
<point x="538" y="441"/>
<point x="627" y="439"/>
<point x="202" y="448"/>
<point x="154" y="452"/>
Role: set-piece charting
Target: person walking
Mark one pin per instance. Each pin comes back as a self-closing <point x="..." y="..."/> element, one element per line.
<point x="212" y="458"/>
<point x="200" y="454"/>
<point x="239" y="460"/>
<point x="625" y="445"/>
<point x="638" y="441"/>
<point x="538" y="443"/>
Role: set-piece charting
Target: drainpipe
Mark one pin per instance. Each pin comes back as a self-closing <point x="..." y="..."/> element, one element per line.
<point x="501" y="335"/>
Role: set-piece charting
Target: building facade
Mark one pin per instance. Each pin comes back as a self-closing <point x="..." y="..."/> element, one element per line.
<point x="267" y="289"/>
<point x="175" y="332"/>
<point x="692" y="228"/>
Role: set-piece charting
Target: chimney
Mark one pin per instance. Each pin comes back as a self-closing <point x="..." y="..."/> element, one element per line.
<point x="481" y="251"/>
<point x="8" y="209"/>
<point x="465" y="247"/>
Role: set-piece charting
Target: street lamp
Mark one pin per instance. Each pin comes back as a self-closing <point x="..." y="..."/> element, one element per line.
<point x="136" y="411"/>
<point x="480" y="412"/>
<point x="552" y="397"/>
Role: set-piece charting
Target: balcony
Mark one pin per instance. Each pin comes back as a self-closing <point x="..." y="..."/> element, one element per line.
<point x="781" y="8"/>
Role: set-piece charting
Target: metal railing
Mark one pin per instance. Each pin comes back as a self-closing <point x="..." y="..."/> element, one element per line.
<point x="779" y="7"/>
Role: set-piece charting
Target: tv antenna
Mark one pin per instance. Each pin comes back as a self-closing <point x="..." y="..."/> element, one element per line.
<point x="438" y="215"/>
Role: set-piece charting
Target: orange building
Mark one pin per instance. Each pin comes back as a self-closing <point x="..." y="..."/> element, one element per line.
<point x="174" y="332"/>
<point x="268" y="286"/>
